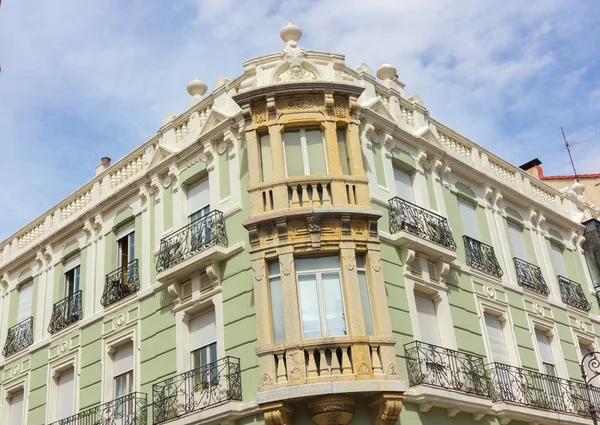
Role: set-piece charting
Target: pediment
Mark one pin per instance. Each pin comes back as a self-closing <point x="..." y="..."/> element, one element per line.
<point x="376" y="105"/>
<point x="214" y="118"/>
<point x="160" y="154"/>
<point x="428" y="135"/>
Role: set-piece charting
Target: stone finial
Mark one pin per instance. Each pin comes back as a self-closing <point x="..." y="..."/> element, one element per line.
<point x="578" y="188"/>
<point x="387" y="72"/>
<point x="196" y="88"/>
<point x="290" y="33"/>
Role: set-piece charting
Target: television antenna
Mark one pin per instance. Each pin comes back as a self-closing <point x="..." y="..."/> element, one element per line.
<point x="569" y="145"/>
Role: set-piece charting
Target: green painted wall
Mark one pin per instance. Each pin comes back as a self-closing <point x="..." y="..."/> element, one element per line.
<point x="431" y="191"/>
<point x="379" y="169"/>
<point x="224" y="183"/>
<point x="167" y="203"/>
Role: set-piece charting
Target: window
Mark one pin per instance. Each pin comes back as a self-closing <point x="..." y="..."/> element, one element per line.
<point x="427" y="318"/>
<point x="320" y="294"/>
<point x="304" y="152"/>
<point x="126" y="245"/>
<point x="72" y="276"/>
<point x="545" y="352"/>
<point x="203" y="345"/>
<point x="25" y="299"/>
<point x="343" y="150"/>
<point x="276" y="302"/>
<point x="468" y="217"/>
<point x="558" y="260"/>
<point x="198" y="200"/>
<point x="584" y="350"/>
<point x="515" y="235"/>
<point x="65" y="394"/>
<point x="495" y="334"/>
<point x="123" y="371"/>
<point x="16" y="408"/>
<point x="404" y="188"/>
<point x="365" y="299"/>
<point x="266" y="158"/>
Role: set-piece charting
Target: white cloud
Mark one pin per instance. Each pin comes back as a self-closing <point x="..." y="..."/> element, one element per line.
<point x="84" y="79"/>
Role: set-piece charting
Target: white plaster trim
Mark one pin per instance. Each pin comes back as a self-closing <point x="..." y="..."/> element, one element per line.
<point x="220" y="414"/>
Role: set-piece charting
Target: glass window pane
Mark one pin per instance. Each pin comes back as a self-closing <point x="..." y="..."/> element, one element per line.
<point x="334" y="306"/>
<point x="309" y="306"/>
<point x="131" y="253"/>
<point x="316" y="152"/>
<point x="496" y="339"/>
<point x="293" y="153"/>
<point x="273" y="267"/>
<point x="266" y="160"/>
<point x="366" y="302"/>
<point x="343" y="150"/>
<point x="558" y="260"/>
<point x="468" y="217"/>
<point x="277" y="309"/>
<point x="319" y="263"/>
<point x="427" y="317"/>
<point x="516" y="242"/>
<point x="404" y="188"/>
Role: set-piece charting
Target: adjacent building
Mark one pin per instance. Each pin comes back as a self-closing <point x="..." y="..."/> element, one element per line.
<point x="304" y="244"/>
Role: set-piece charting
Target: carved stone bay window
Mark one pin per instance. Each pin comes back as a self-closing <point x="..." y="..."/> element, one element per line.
<point x="303" y="142"/>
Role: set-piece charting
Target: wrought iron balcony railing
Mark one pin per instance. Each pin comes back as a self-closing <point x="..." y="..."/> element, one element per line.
<point x="127" y="410"/>
<point x="420" y="222"/>
<point x="530" y="388"/>
<point x="19" y="336"/>
<point x="120" y="283"/>
<point x="441" y="367"/>
<point x="530" y="276"/>
<point x="572" y="294"/>
<point x="65" y="312"/>
<point x="200" y="234"/>
<point x="197" y="389"/>
<point x="482" y="257"/>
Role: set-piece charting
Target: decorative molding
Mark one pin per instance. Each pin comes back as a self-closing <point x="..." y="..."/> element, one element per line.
<point x="331" y="409"/>
<point x="258" y="269"/>
<point x="213" y="271"/>
<point x="278" y="413"/>
<point x="385" y="408"/>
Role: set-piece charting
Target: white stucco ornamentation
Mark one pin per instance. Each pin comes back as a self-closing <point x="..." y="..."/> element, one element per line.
<point x="295" y="56"/>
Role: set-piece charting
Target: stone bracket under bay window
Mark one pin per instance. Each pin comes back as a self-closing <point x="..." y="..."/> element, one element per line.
<point x="212" y="270"/>
<point x="455" y="402"/>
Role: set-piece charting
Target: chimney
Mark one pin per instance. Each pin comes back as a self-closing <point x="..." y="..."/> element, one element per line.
<point x="105" y="163"/>
<point x="533" y="167"/>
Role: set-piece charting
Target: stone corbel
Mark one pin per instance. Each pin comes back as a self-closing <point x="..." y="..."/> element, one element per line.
<point x="408" y="257"/>
<point x="39" y="259"/>
<point x="48" y="254"/>
<point x="174" y="289"/>
<point x="385" y="408"/>
<point x="278" y="413"/>
<point x="271" y="107"/>
<point x="442" y="269"/>
<point x="143" y="193"/>
<point x="368" y="129"/>
<point x="173" y="173"/>
<point x="213" y="271"/>
<point x="313" y="225"/>
<point x="253" y="235"/>
<point x="346" y="225"/>
<point x="154" y="185"/>
<point x="352" y="103"/>
<point x="329" y="99"/>
<point x="387" y="138"/>
<point x="282" y="232"/>
<point x="88" y="229"/>
<point x="4" y="284"/>
<point x="229" y="136"/>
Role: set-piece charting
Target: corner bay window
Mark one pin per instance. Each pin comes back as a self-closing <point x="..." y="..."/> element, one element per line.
<point x="304" y="152"/>
<point x="320" y="295"/>
<point x="276" y="302"/>
<point x="343" y="151"/>
<point x="266" y="158"/>
<point x="365" y="299"/>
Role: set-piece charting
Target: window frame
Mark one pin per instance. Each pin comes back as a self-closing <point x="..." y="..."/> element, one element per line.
<point x="368" y="300"/>
<point x="129" y="238"/>
<point x="271" y="305"/>
<point x="318" y="273"/>
<point x="73" y="273"/>
<point x="304" y="148"/>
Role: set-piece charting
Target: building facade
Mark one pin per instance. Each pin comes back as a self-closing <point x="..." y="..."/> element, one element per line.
<point x="304" y="244"/>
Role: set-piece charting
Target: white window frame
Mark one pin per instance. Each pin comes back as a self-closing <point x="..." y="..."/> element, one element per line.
<point x="439" y="296"/>
<point x="72" y="263"/>
<point x="590" y="344"/>
<point x="304" y="148"/>
<point x="319" y="283"/>
<point x="111" y="346"/>
<point x="9" y="390"/>
<point x="503" y="315"/>
<point x="125" y="232"/>
<point x="52" y="395"/>
<point x="557" y="356"/>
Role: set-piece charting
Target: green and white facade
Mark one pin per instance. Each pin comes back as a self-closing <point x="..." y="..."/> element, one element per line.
<point x="304" y="244"/>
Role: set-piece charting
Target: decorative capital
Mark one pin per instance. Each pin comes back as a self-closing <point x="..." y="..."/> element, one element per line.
<point x="385" y="408"/>
<point x="278" y="413"/>
<point x="331" y="410"/>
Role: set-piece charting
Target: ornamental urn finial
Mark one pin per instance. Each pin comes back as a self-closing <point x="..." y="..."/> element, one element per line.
<point x="290" y="33"/>
<point x="387" y="72"/>
<point x="196" y="88"/>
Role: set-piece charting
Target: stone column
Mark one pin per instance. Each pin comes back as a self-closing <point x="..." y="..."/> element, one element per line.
<point x="361" y="354"/>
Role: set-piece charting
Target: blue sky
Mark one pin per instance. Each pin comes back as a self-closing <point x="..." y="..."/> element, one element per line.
<point x="84" y="79"/>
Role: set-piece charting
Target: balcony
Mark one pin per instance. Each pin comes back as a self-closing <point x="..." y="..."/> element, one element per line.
<point x="529" y="388"/>
<point x="127" y="410"/>
<point x="202" y="239"/>
<point x="314" y="191"/>
<point x="482" y="257"/>
<point x="572" y="294"/>
<point x="441" y="367"/>
<point x="420" y="222"/>
<point x="120" y="283"/>
<point x="65" y="312"/>
<point x="420" y="230"/>
<point x="19" y="337"/>
<point x="197" y="389"/>
<point x="530" y="276"/>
